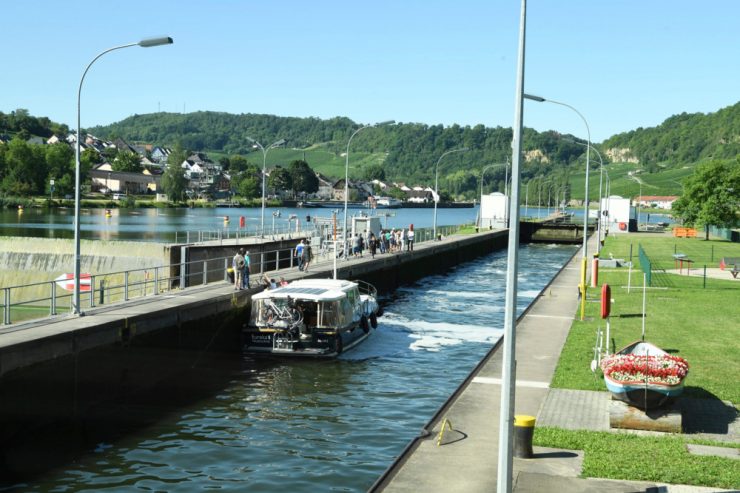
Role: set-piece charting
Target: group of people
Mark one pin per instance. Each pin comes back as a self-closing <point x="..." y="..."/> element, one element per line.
<point x="303" y="255"/>
<point x="387" y="241"/>
<point x="240" y="266"/>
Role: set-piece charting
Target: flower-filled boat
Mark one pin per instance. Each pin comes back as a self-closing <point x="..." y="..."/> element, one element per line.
<point x="643" y="375"/>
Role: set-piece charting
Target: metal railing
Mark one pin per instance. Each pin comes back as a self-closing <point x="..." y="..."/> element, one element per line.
<point x="37" y="300"/>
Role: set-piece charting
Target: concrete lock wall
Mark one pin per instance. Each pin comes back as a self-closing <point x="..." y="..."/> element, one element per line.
<point x="31" y="260"/>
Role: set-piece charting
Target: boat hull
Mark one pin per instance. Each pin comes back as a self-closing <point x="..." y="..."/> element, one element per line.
<point x="329" y="345"/>
<point x="639" y="393"/>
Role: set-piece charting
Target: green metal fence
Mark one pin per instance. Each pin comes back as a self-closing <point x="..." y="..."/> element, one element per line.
<point x="645" y="264"/>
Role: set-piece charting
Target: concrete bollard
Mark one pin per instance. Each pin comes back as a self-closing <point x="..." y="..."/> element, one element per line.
<point x="523" y="433"/>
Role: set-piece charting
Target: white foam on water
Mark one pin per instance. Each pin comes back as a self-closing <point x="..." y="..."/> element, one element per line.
<point x="432" y="336"/>
<point x="529" y="293"/>
<point x="469" y="295"/>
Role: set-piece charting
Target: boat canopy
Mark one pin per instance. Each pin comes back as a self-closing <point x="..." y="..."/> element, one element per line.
<point x="310" y="289"/>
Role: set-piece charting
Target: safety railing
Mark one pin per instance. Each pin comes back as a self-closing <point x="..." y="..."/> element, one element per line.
<point x="48" y="298"/>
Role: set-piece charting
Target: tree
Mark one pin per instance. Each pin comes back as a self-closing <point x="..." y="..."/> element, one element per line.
<point x="304" y="178"/>
<point x="60" y="165"/>
<point x="246" y="185"/>
<point x="126" y="161"/>
<point x="711" y="195"/>
<point x="238" y="163"/>
<point x="373" y="172"/>
<point x="280" y="179"/>
<point x="174" y="182"/>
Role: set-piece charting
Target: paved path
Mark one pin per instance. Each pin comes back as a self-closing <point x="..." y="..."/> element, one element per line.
<point x="466" y="460"/>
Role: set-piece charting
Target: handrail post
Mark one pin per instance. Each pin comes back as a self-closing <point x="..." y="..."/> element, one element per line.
<point x="205" y="272"/>
<point x="277" y="259"/>
<point x="125" y="286"/>
<point x="226" y="269"/>
<point x="92" y="291"/>
<point x="53" y="307"/>
<point x="6" y="306"/>
<point x="156" y="280"/>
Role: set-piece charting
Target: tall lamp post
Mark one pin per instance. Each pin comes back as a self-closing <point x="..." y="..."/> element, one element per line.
<point x="601" y="181"/>
<point x="584" y="259"/>
<point x="264" y="172"/>
<point x="436" y="181"/>
<point x="346" y="179"/>
<point x="144" y="43"/>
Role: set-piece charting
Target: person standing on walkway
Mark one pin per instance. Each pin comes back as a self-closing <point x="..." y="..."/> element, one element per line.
<point x="372" y="243"/>
<point x="411" y="238"/>
<point x="238" y="266"/>
<point x="245" y="275"/>
<point x="307" y="256"/>
<point x="299" y="254"/>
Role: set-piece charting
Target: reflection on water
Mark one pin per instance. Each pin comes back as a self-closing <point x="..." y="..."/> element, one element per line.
<point x="307" y="426"/>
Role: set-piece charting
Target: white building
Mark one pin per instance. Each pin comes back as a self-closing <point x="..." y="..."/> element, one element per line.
<point x="494" y="210"/>
<point x="619" y="216"/>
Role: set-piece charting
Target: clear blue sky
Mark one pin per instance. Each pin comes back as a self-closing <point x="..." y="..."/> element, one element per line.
<point x="622" y="63"/>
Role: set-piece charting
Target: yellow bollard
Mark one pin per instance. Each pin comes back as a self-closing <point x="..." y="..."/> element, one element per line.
<point x="523" y="433"/>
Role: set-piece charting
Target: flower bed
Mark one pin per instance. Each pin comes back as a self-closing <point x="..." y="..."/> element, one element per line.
<point x="661" y="370"/>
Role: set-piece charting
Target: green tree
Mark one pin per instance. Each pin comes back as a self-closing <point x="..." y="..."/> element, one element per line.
<point x="711" y="195"/>
<point x="246" y="185"/>
<point x="127" y="161"/>
<point x="280" y="179"/>
<point x="25" y="168"/>
<point x="238" y="163"/>
<point x="177" y="156"/>
<point x="60" y="166"/>
<point x="373" y="172"/>
<point x="174" y="182"/>
<point x="304" y="178"/>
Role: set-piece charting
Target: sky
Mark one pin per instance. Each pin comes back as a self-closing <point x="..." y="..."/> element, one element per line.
<point x="623" y="64"/>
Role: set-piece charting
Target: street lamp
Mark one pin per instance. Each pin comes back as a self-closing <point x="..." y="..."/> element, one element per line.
<point x="346" y="179"/>
<point x="264" y="172"/>
<point x="601" y="181"/>
<point x="584" y="259"/>
<point x="436" y="181"/>
<point x="144" y="43"/>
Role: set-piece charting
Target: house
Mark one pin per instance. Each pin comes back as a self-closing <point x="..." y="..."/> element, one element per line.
<point x="360" y="189"/>
<point x="125" y="182"/>
<point x="419" y="196"/>
<point x="160" y="154"/>
<point x="657" y="201"/>
<point x="326" y="189"/>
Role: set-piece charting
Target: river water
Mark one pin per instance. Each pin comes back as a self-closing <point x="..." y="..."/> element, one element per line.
<point x="308" y="426"/>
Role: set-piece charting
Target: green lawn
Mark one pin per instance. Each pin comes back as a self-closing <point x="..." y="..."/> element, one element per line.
<point x="695" y="322"/>
<point x="698" y="323"/>
<point x="643" y="458"/>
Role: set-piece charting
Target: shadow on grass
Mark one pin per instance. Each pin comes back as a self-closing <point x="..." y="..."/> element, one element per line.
<point x="704" y="412"/>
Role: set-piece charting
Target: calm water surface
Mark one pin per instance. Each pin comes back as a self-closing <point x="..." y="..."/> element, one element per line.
<point x="307" y="426"/>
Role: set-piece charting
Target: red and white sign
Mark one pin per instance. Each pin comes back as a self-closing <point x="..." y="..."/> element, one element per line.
<point x="67" y="281"/>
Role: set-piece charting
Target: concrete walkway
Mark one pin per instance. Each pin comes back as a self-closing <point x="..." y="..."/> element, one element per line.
<point x="466" y="459"/>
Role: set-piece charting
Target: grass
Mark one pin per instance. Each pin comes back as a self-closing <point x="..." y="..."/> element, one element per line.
<point x="644" y="458"/>
<point x="696" y="322"/>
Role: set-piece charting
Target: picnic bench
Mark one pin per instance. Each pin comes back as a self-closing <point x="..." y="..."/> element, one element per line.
<point x="679" y="232"/>
<point x="731" y="263"/>
<point x="679" y="259"/>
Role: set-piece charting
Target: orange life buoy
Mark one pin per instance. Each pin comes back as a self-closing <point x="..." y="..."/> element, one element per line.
<point x="622" y="226"/>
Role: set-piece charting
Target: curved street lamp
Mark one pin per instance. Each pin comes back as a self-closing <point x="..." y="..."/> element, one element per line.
<point x="264" y="172"/>
<point x="584" y="259"/>
<point x="144" y="43"/>
<point x="436" y="181"/>
<point x="601" y="181"/>
<point x="346" y="179"/>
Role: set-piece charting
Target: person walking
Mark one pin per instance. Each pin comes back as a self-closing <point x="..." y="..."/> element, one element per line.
<point x="238" y="266"/>
<point x="411" y="238"/>
<point x="299" y="254"/>
<point x="373" y="244"/>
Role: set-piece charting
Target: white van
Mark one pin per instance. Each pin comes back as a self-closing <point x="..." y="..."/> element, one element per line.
<point x="119" y="196"/>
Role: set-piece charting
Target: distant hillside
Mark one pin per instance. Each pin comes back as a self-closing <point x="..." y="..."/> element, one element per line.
<point x="410" y="149"/>
<point x="682" y="139"/>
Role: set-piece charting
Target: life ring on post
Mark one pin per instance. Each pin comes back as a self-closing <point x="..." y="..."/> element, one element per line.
<point x="374" y="320"/>
<point x="622" y="226"/>
<point x="364" y="324"/>
<point x="606" y="299"/>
